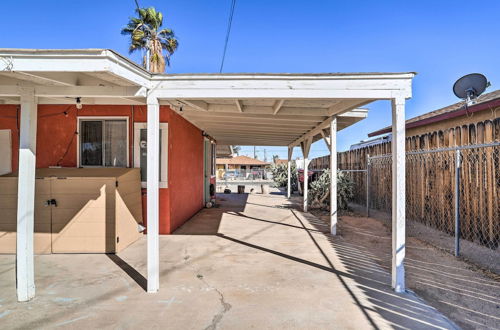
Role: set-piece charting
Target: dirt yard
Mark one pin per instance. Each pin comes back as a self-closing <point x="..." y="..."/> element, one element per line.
<point x="466" y="294"/>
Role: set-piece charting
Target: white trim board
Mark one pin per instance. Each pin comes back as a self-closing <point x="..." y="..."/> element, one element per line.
<point x="163" y="152"/>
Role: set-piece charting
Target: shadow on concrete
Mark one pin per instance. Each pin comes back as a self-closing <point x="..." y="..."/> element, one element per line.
<point x="129" y="270"/>
<point x="400" y="310"/>
<point x="361" y="275"/>
<point x="330" y="269"/>
<point x="405" y="310"/>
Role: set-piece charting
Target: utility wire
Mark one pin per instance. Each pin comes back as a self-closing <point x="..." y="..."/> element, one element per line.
<point x="137" y="4"/>
<point x="230" y="22"/>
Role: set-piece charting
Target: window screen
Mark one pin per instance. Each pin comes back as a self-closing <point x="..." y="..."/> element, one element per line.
<point x="103" y="143"/>
<point x="91" y="147"/>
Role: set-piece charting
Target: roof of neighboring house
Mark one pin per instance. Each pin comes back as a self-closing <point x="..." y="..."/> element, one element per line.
<point x="281" y="161"/>
<point x="484" y="101"/>
<point x="240" y="160"/>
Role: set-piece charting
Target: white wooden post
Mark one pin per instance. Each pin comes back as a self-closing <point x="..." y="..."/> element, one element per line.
<point x="289" y="185"/>
<point x="153" y="154"/>
<point x="306" y="146"/>
<point x="333" y="176"/>
<point x="398" y="193"/>
<point x="25" y="273"/>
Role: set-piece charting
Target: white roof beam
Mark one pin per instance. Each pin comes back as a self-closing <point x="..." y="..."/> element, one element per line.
<point x="246" y="124"/>
<point x="277" y="106"/>
<point x="79" y="91"/>
<point x="200" y="94"/>
<point x="254" y="143"/>
<point x="49" y="79"/>
<point x="229" y="108"/>
<point x="239" y="105"/>
<point x="359" y="86"/>
<point x="230" y="133"/>
<point x="197" y="105"/>
<point x="319" y="129"/>
<point x="324" y="138"/>
<point x="255" y="121"/>
<point x="266" y="118"/>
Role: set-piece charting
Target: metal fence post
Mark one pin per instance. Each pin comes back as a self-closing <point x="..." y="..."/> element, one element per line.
<point x="367" y="185"/>
<point x="457" y="202"/>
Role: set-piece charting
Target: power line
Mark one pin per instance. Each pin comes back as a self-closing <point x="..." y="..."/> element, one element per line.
<point x="137" y="4"/>
<point x="230" y="22"/>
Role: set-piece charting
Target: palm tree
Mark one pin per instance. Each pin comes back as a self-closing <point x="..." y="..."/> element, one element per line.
<point x="146" y="34"/>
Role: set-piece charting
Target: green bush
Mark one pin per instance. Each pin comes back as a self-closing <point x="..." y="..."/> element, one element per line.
<point x="319" y="191"/>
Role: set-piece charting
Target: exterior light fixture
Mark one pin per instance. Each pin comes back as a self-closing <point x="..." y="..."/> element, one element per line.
<point x="79" y="104"/>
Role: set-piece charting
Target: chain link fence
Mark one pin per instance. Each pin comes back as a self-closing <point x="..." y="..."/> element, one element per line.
<point x="452" y="197"/>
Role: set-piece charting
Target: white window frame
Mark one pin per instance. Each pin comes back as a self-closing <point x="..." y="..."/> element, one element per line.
<point x="163" y="152"/>
<point x="102" y="118"/>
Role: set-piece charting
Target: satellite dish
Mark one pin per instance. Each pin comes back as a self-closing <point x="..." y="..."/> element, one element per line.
<point x="470" y="86"/>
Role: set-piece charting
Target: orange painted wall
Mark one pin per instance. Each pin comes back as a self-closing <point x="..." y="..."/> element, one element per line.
<point x="57" y="145"/>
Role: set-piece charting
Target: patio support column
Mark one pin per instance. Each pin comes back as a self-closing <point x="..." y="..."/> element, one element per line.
<point x="398" y="193"/>
<point x="289" y="185"/>
<point x="306" y="146"/>
<point x="25" y="274"/>
<point x="333" y="176"/>
<point x="153" y="153"/>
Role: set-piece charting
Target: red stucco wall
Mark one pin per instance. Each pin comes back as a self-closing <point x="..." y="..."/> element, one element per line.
<point x="57" y="145"/>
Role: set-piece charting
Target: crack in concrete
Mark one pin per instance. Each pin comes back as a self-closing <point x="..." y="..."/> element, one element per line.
<point x="225" y="305"/>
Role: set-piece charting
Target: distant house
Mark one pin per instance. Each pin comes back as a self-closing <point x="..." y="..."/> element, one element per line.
<point x="238" y="166"/>
<point x="240" y="163"/>
<point x="278" y="161"/>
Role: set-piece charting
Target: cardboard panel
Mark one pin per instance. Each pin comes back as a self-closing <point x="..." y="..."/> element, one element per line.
<point x="128" y="209"/>
<point x="8" y="217"/>
<point x="84" y="213"/>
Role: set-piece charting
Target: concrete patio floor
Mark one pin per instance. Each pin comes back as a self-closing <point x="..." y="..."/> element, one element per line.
<point x="253" y="262"/>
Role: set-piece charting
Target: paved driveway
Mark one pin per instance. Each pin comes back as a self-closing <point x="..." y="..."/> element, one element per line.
<point x="253" y="262"/>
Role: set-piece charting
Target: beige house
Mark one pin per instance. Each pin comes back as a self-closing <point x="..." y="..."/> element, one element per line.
<point x="239" y="166"/>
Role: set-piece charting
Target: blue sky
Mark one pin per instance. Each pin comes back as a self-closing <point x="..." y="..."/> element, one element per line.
<point x="437" y="39"/>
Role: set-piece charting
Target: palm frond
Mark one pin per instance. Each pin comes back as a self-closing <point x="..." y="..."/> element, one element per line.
<point x="146" y="34"/>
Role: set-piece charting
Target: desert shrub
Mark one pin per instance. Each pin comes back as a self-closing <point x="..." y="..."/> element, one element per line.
<point x="319" y="191"/>
<point x="280" y="175"/>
